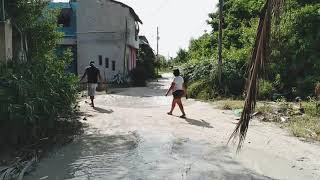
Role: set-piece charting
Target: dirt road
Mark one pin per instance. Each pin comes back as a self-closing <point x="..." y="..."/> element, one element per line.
<point x="129" y="136"/>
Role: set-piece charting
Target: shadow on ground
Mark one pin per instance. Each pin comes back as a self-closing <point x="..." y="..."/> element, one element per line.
<point x="201" y="123"/>
<point x="103" y="111"/>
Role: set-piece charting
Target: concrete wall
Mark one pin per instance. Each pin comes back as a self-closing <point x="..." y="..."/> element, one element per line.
<point x="5" y="41"/>
<point x="101" y="28"/>
<point x="132" y="41"/>
<point x="90" y="50"/>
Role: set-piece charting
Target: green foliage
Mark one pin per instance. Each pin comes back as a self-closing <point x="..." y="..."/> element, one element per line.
<point x="37" y="95"/>
<point x="24" y="12"/>
<point x="162" y="62"/>
<point x="296" y="52"/>
<point x="147" y="61"/>
<point x="195" y="88"/>
<point x="37" y="24"/>
<point x="139" y="76"/>
<point x="43" y="36"/>
<point x="311" y="107"/>
<point x="265" y="89"/>
<point x="294" y="63"/>
<point x="182" y="56"/>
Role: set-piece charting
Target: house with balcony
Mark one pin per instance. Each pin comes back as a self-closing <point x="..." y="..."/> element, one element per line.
<point x="104" y="31"/>
<point x="67" y="23"/>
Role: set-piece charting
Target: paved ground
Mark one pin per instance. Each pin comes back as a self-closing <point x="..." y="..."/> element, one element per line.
<point x="129" y="136"/>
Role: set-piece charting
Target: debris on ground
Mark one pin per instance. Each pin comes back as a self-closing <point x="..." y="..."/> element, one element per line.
<point x="18" y="169"/>
<point x="284" y="119"/>
<point x="238" y="112"/>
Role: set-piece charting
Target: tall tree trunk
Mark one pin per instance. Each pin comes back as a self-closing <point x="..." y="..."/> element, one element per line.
<point x="220" y="42"/>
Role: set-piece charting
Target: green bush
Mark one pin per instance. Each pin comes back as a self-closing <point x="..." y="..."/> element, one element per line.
<point x="311" y="107"/>
<point x="139" y="76"/>
<point x="147" y="59"/>
<point x="36" y="96"/>
<point x="195" y="88"/>
<point x="204" y="74"/>
<point x="265" y="89"/>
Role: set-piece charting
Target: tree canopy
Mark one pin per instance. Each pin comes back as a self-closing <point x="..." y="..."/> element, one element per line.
<point x="293" y="63"/>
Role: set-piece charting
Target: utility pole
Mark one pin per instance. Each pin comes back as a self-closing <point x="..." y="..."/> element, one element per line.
<point x="220" y="41"/>
<point x="158" y="61"/>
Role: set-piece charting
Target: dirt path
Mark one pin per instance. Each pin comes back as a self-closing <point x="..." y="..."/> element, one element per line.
<point x="129" y="136"/>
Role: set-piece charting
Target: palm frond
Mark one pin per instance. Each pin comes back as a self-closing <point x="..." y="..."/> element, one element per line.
<point x="257" y="67"/>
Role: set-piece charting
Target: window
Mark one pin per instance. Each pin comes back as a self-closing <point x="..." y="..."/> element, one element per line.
<point x="106" y="61"/>
<point x="64" y="17"/>
<point x="100" y="60"/>
<point x="113" y="65"/>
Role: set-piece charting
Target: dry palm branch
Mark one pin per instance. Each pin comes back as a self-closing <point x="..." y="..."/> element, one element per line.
<point x="256" y="68"/>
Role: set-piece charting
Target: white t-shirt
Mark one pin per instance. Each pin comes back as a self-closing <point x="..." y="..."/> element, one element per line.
<point x="178" y="81"/>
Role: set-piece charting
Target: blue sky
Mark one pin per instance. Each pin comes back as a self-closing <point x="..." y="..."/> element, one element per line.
<point x="178" y="21"/>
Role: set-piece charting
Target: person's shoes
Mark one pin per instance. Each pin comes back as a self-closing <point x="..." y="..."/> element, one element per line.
<point x="183" y="116"/>
<point x="169" y="113"/>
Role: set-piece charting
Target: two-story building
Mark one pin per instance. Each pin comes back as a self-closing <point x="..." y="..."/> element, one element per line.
<point x="104" y="31"/>
<point x="67" y="22"/>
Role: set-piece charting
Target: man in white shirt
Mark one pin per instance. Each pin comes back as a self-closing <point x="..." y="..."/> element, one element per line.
<point x="178" y="90"/>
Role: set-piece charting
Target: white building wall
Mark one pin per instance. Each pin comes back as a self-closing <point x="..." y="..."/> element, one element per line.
<point x="132" y="41"/>
<point x="91" y="50"/>
<point x="101" y="28"/>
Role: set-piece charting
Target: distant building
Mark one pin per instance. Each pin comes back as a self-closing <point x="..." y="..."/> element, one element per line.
<point x="67" y="22"/>
<point x="105" y="31"/>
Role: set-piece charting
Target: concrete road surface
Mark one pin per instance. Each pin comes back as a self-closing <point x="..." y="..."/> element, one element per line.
<point x="130" y="136"/>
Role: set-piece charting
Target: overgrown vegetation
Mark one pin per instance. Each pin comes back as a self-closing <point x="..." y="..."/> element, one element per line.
<point x="302" y="121"/>
<point x="293" y="67"/>
<point x="37" y="96"/>
<point x="146" y="66"/>
<point x="290" y="61"/>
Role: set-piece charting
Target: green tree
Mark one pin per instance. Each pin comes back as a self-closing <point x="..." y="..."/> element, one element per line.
<point x="182" y="56"/>
<point x="35" y="94"/>
<point x="37" y="23"/>
<point x="147" y="59"/>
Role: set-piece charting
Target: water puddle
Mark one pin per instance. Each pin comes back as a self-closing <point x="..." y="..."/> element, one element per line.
<point x="129" y="156"/>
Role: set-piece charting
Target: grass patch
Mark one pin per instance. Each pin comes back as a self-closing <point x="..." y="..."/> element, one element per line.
<point x="230" y="104"/>
<point x="305" y="125"/>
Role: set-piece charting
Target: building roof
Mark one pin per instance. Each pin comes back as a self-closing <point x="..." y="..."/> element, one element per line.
<point x="62" y="5"/>
<point x="136" y="17"/>
<point x="67" y="10"/>
<point x="73" y="5"/>
<point x="143" y="40"/>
